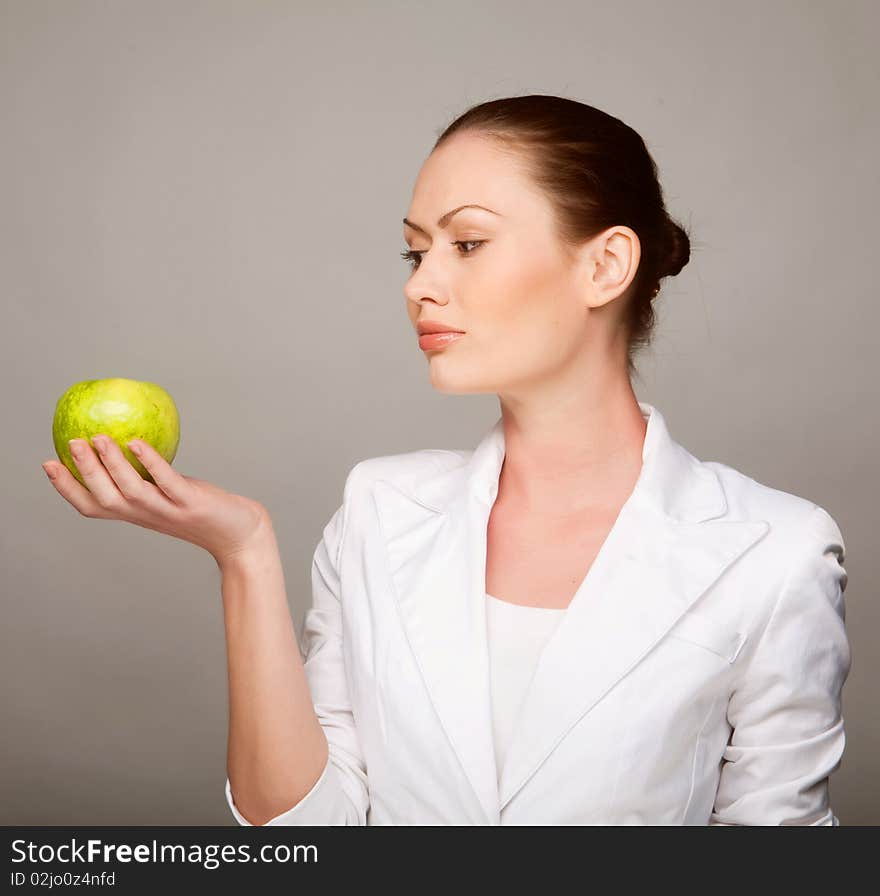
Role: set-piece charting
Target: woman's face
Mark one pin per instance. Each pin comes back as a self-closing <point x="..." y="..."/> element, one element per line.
<point x="527" y="310"/>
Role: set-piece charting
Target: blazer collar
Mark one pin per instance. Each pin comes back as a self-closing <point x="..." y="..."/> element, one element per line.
<point x="672" y="480"/>
<point x="667" y="547"/>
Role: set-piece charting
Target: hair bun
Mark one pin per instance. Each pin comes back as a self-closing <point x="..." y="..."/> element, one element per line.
<point x="678" y="249"/>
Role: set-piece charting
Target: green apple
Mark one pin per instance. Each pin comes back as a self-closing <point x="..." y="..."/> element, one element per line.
<point x="121" y="408"/>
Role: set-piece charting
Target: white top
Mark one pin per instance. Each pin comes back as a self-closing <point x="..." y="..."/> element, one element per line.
<point x="517" y="635"/>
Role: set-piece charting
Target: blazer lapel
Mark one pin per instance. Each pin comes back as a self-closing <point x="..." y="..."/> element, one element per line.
<point x="666" y="548"/>
<point x="437" y="563"/>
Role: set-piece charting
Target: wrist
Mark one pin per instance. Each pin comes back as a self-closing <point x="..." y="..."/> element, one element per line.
<point x="260" y="546"/>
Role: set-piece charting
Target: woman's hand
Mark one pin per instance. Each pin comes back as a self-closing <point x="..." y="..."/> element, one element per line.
<point x="193" y="510"/>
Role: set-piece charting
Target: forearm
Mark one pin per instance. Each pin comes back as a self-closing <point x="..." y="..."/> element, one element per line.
<point x="276" y="748"/>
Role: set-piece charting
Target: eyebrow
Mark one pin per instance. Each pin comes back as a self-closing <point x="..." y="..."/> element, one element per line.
<point x="445" y="219"/>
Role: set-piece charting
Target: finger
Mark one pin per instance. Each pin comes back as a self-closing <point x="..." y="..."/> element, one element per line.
<point x="175" y="486"/>
<point x="96" y="478"/>
<point x="72" y="490"/>
<point x="132" y="486"/>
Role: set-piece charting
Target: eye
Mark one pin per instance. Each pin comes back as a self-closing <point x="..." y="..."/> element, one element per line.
<point x="415" y="258"/>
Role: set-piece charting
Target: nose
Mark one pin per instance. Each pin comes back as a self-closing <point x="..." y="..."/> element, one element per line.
<point x="425" y="283"/>
<point x="419" y="294"/>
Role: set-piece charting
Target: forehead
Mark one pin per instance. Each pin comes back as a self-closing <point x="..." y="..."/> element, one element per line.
<point x="470" y="169"/>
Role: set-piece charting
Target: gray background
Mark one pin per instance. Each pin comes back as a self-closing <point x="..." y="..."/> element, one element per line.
<point x="209" y="195"/>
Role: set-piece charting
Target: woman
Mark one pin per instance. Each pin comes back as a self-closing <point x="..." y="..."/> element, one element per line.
<point x="578" y="622"/>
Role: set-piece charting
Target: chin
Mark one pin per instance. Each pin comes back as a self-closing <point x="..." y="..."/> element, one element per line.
<point x="455" y="382"/>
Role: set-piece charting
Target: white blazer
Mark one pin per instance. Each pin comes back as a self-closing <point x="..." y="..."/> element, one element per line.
<point x="695" y="679"/>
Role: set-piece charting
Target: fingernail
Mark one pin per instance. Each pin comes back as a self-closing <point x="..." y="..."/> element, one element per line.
<point x="98" y="442"/>
<point x="50" y="472"/>
<point x="75" y="447"/>
<point x="135" y="448"/>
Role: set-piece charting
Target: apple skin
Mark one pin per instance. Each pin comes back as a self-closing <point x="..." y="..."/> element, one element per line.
<point x="123" y="409"/>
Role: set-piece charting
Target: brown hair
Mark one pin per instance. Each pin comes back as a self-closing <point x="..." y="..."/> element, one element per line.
<point x="597" y="173"/>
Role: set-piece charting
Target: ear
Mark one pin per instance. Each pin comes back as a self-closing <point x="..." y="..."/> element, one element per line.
<point x="612" y="261"/>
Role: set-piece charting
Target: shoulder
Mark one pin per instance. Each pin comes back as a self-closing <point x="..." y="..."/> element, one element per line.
<point x="797" y="524"/>
<point x="355" y="513"/>
<point x="399" y="468"/>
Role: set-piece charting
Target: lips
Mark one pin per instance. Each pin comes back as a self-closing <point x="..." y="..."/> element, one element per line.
<point x="433" y="341"/>
<point x="425" y="327"/>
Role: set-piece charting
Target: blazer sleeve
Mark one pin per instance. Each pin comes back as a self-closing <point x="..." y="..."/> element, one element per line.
<point x="340" y="796"/>
<point x="786" y="706"/>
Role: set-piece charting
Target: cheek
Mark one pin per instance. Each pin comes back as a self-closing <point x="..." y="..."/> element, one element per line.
<point x="525" y="297"/>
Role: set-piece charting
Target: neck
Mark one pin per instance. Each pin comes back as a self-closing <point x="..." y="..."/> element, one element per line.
<point x="574" y="456"/>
